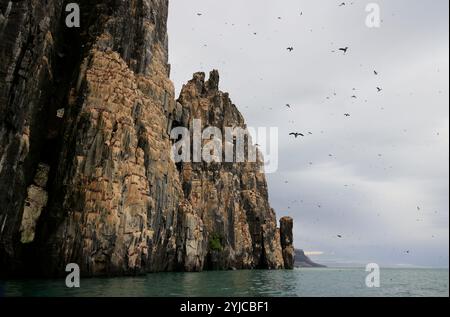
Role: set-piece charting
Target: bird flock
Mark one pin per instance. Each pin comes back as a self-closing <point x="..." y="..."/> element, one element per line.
<point x="345" y="50"/>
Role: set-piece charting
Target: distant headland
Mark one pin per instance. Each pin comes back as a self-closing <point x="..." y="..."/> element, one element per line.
<point x="302" y="260"/>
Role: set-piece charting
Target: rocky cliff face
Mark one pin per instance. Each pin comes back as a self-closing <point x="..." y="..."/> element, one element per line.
<point x="230" y="198"/>
<point x="86" y="174"/>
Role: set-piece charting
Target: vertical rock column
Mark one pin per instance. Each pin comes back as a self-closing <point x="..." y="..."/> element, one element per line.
<point x="286" y="227"/>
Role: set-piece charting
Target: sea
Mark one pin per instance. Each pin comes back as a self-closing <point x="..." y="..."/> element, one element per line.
<point x="321" y="282"/>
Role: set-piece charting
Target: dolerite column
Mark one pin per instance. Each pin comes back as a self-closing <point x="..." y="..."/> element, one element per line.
<point x="286" y="228"/>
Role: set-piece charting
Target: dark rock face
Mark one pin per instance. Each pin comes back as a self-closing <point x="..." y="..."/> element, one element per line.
<point x="28" y="93"/>
<point x="86" y="174"/>
<point x="287" y="241"/>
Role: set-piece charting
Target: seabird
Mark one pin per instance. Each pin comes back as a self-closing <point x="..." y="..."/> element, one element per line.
<point x="296" y="134"/>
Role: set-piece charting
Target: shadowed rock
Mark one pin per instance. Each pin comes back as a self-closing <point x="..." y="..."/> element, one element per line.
<point x="287" y="241"/>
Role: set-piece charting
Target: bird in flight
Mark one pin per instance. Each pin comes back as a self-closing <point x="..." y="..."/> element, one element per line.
<point x="347" y="114"/>
<point x="288" y="106"/>
<point x="344" y="49"/>
<point x="375" y="72"/>
<point x="339" y="236"/>
<point x="290" y="49"/>
<point x="379" y="89"/>
<point x="296" y="134"/>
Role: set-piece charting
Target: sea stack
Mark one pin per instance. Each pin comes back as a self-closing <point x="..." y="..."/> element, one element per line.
<point x="287" y="241"/>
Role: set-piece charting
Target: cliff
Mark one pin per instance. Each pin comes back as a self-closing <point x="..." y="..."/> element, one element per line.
<point x="86" y="174"/>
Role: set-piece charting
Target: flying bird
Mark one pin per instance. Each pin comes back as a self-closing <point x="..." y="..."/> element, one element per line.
<point x="296" y="134"/>
<point x="290" y="49"/>
<point x="344" y="49"/>
<point x="379" y="89"/>
<point x="347" y="114"/>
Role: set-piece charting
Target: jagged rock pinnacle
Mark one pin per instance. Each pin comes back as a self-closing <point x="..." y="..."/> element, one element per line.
<point x="213" y="81"/>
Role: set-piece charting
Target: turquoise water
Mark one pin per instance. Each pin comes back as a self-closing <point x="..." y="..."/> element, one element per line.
<point x="300" y="282"/>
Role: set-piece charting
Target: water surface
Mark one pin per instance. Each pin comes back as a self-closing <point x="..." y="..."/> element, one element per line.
<point x="298" y="283"/>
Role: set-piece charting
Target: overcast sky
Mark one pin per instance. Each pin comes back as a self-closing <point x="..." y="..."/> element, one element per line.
<point x="387" y="159"/>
